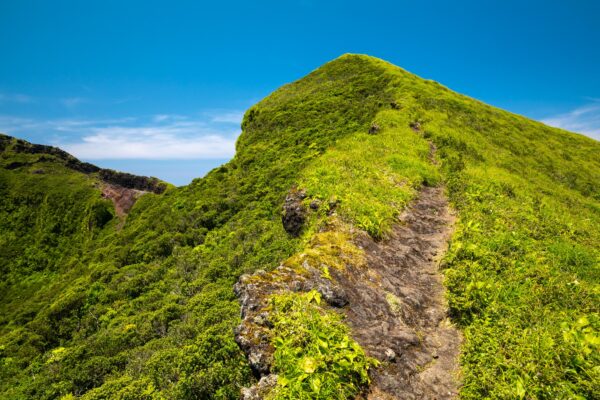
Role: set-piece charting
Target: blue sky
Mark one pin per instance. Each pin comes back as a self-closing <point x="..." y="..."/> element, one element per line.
<point x="159" y="88"/>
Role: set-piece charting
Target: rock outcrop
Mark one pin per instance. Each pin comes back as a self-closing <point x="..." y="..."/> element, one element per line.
<point x="393" y="303"/>
<point x="294" y="212"/>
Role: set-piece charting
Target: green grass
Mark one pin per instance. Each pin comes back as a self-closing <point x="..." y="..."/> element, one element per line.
<point x="372" y="176"/>
<point x="153" y="302"/>
<point x="314" y="358"/>
<point x="147" y="311"/>
<point x="523" y="268"/>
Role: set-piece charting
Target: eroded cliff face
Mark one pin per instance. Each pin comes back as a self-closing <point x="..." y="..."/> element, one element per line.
<point x="123" y="198"/>
<point x="122" y="188"/>
<point x="392" y="298"/>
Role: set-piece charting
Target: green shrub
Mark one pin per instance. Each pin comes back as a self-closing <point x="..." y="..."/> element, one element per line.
<point x="315" y="358"/>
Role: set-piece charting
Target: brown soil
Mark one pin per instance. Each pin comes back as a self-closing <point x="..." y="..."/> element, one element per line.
<point x="394" y="306"/>
<point x="123" y="198"/>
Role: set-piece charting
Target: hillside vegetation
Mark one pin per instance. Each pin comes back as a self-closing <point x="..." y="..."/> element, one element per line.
<point x="94" y="306"/>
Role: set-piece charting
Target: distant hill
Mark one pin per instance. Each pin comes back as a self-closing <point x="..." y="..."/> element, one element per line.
<point x="53" y="203"/>
<point x="375" y="235"/>
<point x="31" y="154"/>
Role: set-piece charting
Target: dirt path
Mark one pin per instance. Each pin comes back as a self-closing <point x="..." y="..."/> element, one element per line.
<point x="394" y="306"/>
<point x="399" y="316"/>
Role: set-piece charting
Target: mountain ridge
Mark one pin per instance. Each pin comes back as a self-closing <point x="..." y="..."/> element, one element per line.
<point x="147" y="311"/>
<point x="124" y="179"/>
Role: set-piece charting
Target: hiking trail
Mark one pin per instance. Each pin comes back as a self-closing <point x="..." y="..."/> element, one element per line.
<point x="394" y="306"/>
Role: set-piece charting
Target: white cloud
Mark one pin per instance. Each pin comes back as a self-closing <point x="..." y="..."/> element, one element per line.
<point x="152" y="146"/>
<point x="158" y="137"/>
<point x="72" y="102"/>
<point x="15" y="98"/>
<point x="229" y="117"/>
<point x="15" y="125"/>
<point x="585" y="120"/>
<point x="160" y="118"/>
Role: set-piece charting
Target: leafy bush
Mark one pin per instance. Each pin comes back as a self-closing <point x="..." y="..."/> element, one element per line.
<point x="315" y="358"/>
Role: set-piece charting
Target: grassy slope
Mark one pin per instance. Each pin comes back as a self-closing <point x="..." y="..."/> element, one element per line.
<point x="152" y="307"/>
<point x="37" y="242"/>
<point x="148" y="312"/>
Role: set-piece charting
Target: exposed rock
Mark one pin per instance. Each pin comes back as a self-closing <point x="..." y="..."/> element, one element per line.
<point x="294" y="212"/>
<point x="261" y="389"/>
<point x="394" y="305"/>
<point x="333" y="203"/>
<point x="254" y="291"/>
<point x="425" y="345"/>
<point x="315" y="204"/>
<point x="390" y="355"/>
<point x="123" y="198"/>
<point x="333" y="294"/>
<point x="253" y="339"/>
<point x="144" y="183"/>
<point x="415" y="126"/>
<point x="262" y="319"/>
<point x="374" y="128"/>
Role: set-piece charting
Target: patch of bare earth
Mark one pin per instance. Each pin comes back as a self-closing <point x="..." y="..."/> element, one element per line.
<point x="122" y="198"/>
<point x="399" y="315"/>
<point x="394" y="306"/>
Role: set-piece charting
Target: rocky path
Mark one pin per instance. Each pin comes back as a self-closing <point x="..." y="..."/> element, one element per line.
<point x="394" y="306"/>
<point x="398" y="313"/>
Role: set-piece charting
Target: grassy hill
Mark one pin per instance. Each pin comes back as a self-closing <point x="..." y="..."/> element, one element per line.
<point x="94" y="306"/>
